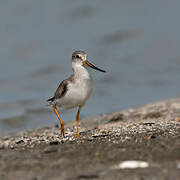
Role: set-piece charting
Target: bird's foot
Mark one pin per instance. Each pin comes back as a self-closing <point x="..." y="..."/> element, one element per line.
<point x="62" y="129"/>
<point x="77" y="135"/>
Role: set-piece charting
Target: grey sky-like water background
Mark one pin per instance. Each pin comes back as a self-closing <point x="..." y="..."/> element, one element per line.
<point x="136" y="41"/>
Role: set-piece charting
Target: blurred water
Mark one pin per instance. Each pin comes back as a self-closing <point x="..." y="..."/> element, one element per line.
<point x="136" y="41"/>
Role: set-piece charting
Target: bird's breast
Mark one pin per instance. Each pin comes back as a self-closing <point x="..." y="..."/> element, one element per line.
<point x="77" y="94"/>
<point x="82" y="88"/>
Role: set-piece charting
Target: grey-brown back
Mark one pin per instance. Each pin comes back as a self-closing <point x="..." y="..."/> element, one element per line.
<point x="62" y="89"/>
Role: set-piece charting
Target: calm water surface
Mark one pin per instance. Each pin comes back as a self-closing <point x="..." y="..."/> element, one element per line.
<point x="137" y="42"/>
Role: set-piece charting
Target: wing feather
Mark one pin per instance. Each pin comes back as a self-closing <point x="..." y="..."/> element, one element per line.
<point x="60" y="91"/>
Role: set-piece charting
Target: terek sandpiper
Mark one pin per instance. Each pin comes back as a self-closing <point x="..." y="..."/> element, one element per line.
<point x="74" y="91"/>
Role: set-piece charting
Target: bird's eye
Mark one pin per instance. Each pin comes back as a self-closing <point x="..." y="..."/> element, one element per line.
<point x="77" y="56"/>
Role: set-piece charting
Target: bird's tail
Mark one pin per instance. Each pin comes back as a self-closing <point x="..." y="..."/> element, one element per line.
<point x="51" y="100"/>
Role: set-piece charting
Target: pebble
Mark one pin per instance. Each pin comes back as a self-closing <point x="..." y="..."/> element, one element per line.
<point x="131" y="164"/>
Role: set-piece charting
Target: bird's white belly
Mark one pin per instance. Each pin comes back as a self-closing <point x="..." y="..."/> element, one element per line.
<point x="76" y="95"/>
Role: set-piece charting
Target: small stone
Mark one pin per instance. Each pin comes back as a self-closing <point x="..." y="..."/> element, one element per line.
<point x="54" y="142"/>
<point x="20" y="141"/>
<point x="131" y="164"/>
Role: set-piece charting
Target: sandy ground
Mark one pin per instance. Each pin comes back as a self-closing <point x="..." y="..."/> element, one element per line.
<point x="150" y="134"/>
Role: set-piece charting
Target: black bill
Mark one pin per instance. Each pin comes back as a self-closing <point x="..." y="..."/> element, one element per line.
<point x="87" y="63"/>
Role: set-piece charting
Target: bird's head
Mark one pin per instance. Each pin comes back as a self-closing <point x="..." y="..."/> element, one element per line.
<point x="79" y="58"/>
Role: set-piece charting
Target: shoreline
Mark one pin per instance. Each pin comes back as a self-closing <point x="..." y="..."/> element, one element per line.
<point x="149" y="133"/>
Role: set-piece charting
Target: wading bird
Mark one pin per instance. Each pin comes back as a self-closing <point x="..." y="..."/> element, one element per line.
<point x="74" y="91"/>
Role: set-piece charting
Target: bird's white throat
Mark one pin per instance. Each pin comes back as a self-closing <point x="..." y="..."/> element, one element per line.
<point x="80" y="72"/>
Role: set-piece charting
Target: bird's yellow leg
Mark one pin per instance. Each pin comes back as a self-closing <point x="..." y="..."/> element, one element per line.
<point x="60" y="120"/>
<point x="77" y="123"/>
